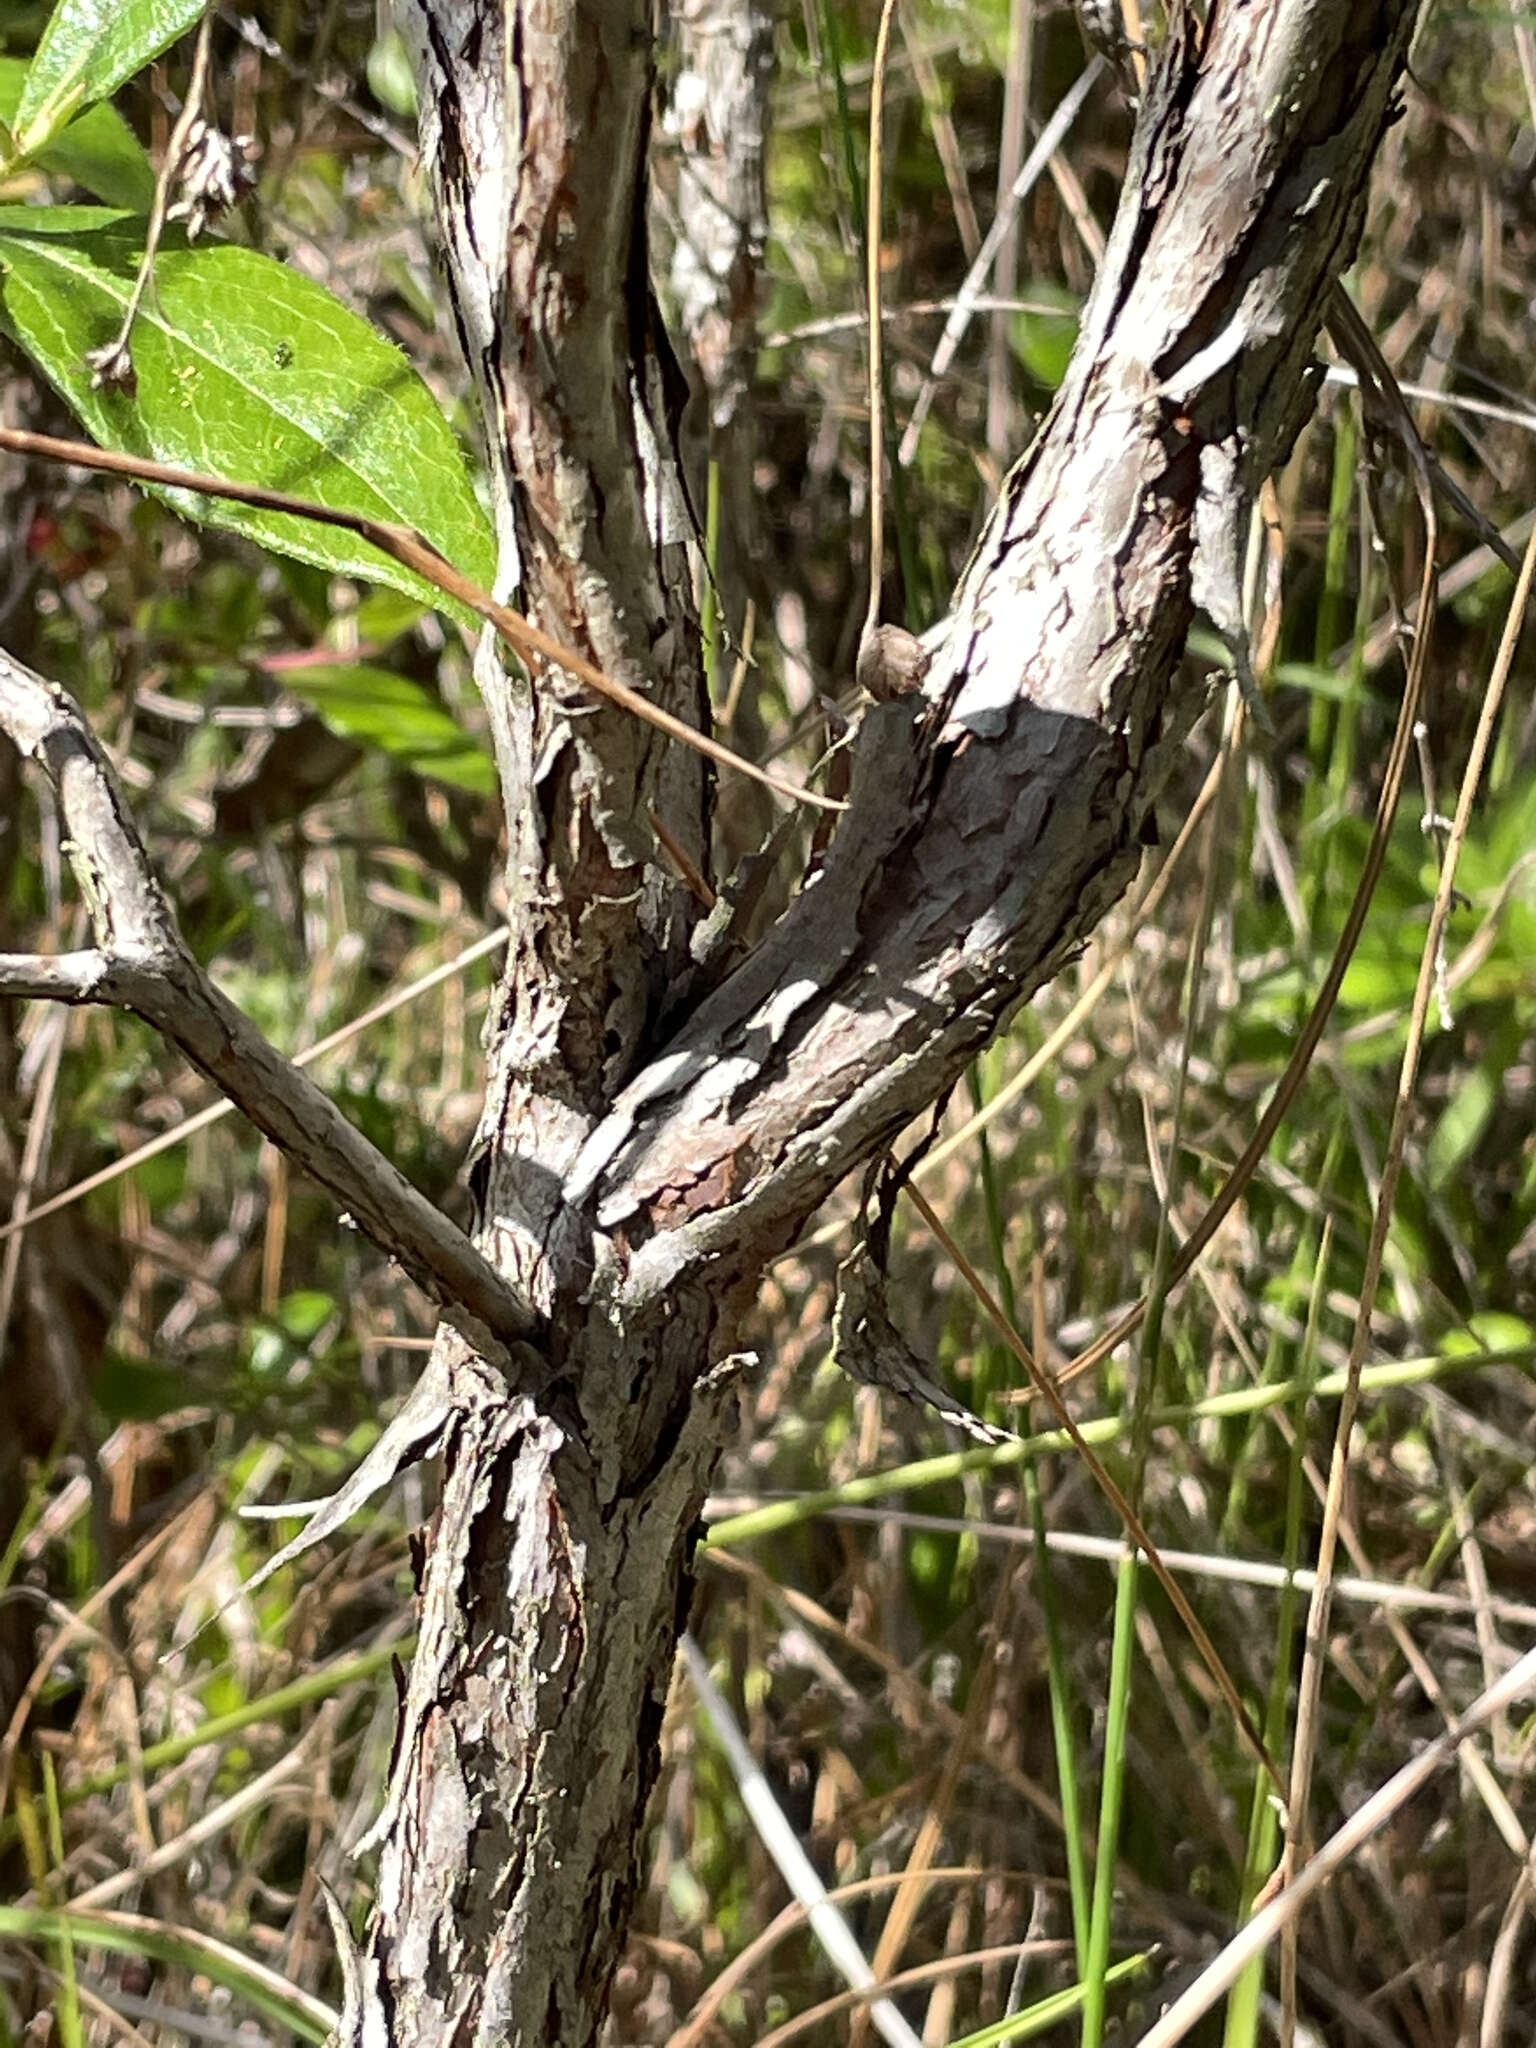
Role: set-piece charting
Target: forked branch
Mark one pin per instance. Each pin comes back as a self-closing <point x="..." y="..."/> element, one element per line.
<point x="142" y="963"/>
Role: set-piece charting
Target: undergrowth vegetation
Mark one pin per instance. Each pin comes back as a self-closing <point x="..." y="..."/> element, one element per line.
<point x="987" y="1726"/>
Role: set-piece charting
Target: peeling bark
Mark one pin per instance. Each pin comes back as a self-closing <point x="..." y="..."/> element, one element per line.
<point x="632" y="1190"/>
<point x="718" y="113"/>
<point x="536" y="144"/>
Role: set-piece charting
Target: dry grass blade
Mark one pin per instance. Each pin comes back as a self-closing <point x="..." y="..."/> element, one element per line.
<point x="921" y="1973"/>
<point x="71" y="1633"/>
<point x="1049" y="1390"/>
<point x="832" y="1931"/>
<point x="968" y="301"/>
<point x="936" y="1820"/>
<point x="39" y="1130"/>
<point x="114" y="363"/>
<point x="787" y="1922"/>
<point x="1376" y="1811"/>
<point x="915" y="1695"/>
<point x="1309" y="1699"/>
<point x="1501" y="1962"/>
<point x="253" y="1794"/>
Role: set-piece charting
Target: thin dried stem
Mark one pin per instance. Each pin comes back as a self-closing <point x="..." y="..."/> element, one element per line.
<point x="876" y="345"/>
<point x="412" y="551"/>
<point x="1049" y="1391"/>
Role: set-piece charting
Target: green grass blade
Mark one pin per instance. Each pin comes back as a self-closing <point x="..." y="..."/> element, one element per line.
<point x="1098" y="1976"/>
<point x="1047" y="2012"/>
<point x="266" y="1993"/>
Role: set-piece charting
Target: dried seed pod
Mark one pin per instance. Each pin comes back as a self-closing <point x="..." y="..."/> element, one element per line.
<point x="892" y="663"/>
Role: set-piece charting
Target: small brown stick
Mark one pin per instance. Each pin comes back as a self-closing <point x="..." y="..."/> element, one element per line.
<point x="687" y="867"/>
<point x="891" y="661"/>
<point x="412" y="551"/>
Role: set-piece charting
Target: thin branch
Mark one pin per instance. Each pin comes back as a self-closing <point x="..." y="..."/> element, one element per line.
<point x="144" y="964"/>
<point x="188" y="1128"/>
<point x="412" y="551"/>
<point x="55" y="978"/>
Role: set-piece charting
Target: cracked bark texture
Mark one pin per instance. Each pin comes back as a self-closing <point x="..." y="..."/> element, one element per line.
<point x="718" y="114"/>
<point x="631" y="1188"/>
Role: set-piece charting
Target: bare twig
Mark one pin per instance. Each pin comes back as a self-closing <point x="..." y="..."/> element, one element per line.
<point x="179" y="1133"/>
<point x="412" y="551"/>
<point x="142" y="963"/>
<point x="1381" y="394"/>
<point x="1018" y="69"/>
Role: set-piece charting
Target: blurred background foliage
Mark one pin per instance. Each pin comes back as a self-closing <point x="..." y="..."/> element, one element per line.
<point x="920" y="1677"/>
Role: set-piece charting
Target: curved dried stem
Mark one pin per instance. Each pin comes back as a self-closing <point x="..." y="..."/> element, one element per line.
<point x="407" y="547"/>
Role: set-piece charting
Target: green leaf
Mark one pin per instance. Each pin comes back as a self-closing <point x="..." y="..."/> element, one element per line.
<point x="256" y="373"/>
<point x="390" y="77"/>
<point x="99" y="151"/>
<point x="305" y="1312"/>
<point x="1043" y="340"/>
<point x="399" y="717"/>
<point x="1462" y="1125"/>
<point x="1489" y="1329"/>
<point x="63" y="221"/>
<point x="102" y="153"/>
<point x="88" y="48"/>
<point x="135" y="1390"/>
<point x="384" y="616"/>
